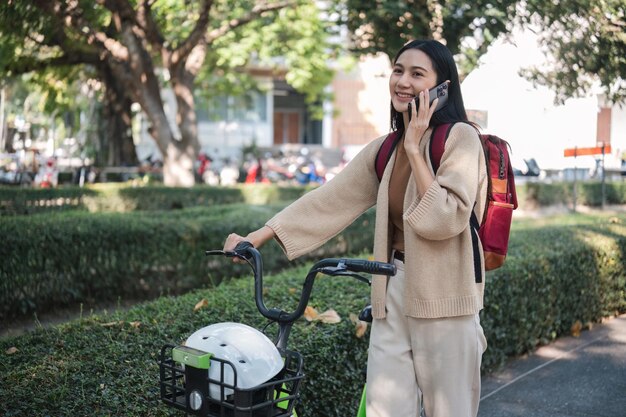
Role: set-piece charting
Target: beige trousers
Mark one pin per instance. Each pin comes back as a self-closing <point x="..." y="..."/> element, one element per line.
<point x="439" y="357"/>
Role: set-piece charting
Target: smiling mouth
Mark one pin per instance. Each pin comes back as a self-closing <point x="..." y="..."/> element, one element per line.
<point x="404" y="95"/>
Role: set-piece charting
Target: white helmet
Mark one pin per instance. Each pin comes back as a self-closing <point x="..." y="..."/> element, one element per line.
<point x="254" y="356"/>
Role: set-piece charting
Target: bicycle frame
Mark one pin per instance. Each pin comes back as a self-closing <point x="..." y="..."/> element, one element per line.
<point x="184" y="376"/>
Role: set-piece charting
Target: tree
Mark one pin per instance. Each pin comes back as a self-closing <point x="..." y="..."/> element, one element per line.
<point x="148" y="45"/>
<point x="587" y="40"/>
<point x="33" y="42"/>
<point x="389" y="25"/>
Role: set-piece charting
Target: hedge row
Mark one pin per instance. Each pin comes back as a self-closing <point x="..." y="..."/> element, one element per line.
<point x="556" y="274"/>
<point x="539" y="194"/>
<point x="76" y="257"/>
<point x="124" y="198"/>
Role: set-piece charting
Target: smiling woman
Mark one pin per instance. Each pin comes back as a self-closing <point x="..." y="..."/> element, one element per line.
<point x="426" y="327"/>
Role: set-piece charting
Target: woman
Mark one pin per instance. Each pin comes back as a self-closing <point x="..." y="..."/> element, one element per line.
<point x="426" y="333"/>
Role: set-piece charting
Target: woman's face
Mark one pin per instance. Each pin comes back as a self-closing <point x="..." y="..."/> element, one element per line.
<point x="413" y="72"/>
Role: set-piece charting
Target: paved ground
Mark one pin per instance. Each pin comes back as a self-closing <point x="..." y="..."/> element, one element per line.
<point x="573" y="377"/>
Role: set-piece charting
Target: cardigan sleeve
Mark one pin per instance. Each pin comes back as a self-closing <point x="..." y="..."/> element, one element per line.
<point x="321" y="214"/>
<point x="444" y="210"/>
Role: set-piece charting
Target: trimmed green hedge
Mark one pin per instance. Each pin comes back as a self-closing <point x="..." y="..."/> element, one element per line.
<point x="559" y="271"/>
<point x="538" y="194"/>
<point x="115" y="197"/>
<point x="554" y="275"/>
<point x="111" y="197"/>
<point x="60" y="259"/>
<point x="15" y="200"/>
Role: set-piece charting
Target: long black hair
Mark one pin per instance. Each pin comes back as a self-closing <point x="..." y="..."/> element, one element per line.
<point x="445" y="68"/>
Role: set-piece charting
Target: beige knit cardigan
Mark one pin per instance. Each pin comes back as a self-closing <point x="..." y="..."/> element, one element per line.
<point x="438" y="247"/>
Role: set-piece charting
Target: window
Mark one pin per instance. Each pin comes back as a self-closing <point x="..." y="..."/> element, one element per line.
<point x="251" y="107"/>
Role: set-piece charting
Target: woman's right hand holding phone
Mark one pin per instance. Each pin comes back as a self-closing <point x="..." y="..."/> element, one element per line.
<point x="419" y="122"/>
<point x="413" y="135"/>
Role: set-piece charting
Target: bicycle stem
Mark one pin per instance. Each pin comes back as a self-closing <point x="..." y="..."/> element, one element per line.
<point x="285" y="320"/>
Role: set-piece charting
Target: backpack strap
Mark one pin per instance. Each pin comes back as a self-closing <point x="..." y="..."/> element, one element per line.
<point x="385" y="151"/>
<point x="511" y="186"/>
<point x="435" y="150"/>
<point x="438" y="144"/>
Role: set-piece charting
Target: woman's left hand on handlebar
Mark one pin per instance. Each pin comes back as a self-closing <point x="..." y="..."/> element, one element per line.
<point x="257" y="238"/>
<point x="231" y="242"/>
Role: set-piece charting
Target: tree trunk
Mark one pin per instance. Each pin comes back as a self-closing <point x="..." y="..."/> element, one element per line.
<point x="178" y="162"/>
<point x="188" y="146"/>
<point x="140" y="82"/>
<point x="118" y="145"/>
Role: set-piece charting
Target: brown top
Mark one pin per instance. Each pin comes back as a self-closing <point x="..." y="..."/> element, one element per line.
<point x="397" y="188"/>
<point x="439" y="261"/>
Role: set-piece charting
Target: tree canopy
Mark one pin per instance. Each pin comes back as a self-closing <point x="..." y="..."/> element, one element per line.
<point x="389" y="25"/>
<point x="136" y="48"/>
<point x="140" y="47"/>
<point x="587" y="40"/>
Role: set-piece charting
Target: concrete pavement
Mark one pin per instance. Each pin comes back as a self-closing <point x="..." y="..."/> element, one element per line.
<point x="581" y="376"/>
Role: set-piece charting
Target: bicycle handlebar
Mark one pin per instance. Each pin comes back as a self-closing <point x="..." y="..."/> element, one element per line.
<point x="370" y="267"/>
<point x="329" y="266"/>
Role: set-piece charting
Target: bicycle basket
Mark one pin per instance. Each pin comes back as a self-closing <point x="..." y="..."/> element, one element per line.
<point x="190" y="389"/>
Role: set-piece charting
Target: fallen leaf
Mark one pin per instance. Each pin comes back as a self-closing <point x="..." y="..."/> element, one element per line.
<point x="292" y="290"/>
<point x="359" y="325"/>
<point x="576" y="328"/>
<point x="11" y="350"/>
<point x="361" y="328"/>
<point x="201" y="304"/>
<point x="310" y="313"/>
<point x="111" y="323"/>
<point x="329" y="317"/>
<point x="135" y="324"/>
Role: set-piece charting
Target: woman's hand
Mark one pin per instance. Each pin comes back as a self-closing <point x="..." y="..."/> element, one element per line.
<point x="420" y="120"/>
<point x="232" y="241"/>
<point x="414" y="134"/>
<point x="256" y="238"/>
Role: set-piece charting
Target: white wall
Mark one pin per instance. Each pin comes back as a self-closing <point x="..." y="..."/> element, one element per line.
<point x="618" y="132"/>
<point x="219" y="139"/>
<point x="526" y="115"/>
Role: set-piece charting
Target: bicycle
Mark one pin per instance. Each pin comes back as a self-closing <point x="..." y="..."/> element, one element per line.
<point x="200" y="382"/>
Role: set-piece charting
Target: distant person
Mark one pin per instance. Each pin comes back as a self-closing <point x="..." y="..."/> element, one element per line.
<point x="426" y="334"/>
<point x="255" y="172"/>
<point x="48" y="174"/>
<point x="229" y="174"/>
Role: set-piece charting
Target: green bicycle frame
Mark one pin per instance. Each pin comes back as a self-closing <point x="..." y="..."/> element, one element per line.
<point x="361" y="412"/>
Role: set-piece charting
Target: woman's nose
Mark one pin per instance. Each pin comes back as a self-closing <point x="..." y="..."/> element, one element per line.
<point x="404" y="81"/>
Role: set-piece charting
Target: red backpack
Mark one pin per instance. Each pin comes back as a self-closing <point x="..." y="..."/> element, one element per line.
<point x="495" y="227"/>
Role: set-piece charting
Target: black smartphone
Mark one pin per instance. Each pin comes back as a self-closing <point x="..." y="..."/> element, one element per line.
<point x="440" y="92"/>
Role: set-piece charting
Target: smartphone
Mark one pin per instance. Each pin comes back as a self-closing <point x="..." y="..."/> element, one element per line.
<point x="440" y="92"/>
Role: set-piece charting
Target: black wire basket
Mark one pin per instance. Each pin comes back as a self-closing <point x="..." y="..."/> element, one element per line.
<point x="190" y="389"/>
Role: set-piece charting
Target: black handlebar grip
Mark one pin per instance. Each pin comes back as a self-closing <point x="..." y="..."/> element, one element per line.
<point x="245" y="249"/>
<point x="371" y="267"/>
<point x="243" y="246"/>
